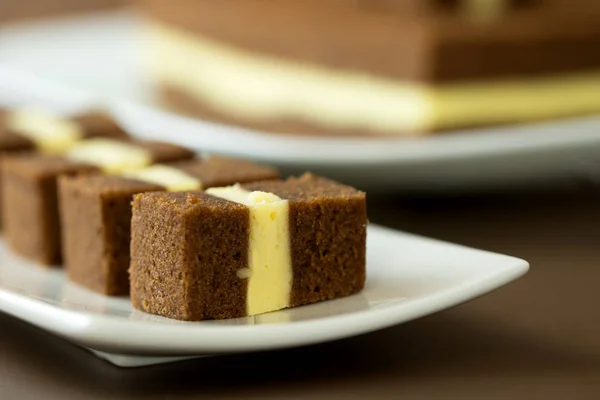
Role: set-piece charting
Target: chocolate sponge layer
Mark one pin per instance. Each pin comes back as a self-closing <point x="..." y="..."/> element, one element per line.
<point x="30" y="204"/>
<point x="163" y="152"/>
<point x="223" y="171"/>
<point x="11" y="143"/>
<point x="427" y="42"/>
<point x="186" y="249"/>
<point x="96" y="218"/>
<point x="98" y="124"/>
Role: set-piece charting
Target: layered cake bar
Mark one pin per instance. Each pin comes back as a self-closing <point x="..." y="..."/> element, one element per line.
<point x="247" y="249"/>
<point x="50" y="133"/>
<point x="12" y="141"/>
<point x="30" y="205"/>
<point x="32" y="130"/>
<point x="116" y="156"/>
<point x="30" y="195"/>
<point x="96" y="213"/>
<point x="379" y="67"/>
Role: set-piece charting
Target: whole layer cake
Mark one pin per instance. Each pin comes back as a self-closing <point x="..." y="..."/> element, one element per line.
<point x="383" y="67"/>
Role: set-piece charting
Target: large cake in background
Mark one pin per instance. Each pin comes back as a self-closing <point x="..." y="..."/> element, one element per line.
<point x="376" y="67"/>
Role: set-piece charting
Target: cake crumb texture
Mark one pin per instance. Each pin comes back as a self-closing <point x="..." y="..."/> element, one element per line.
<point x="186" y="249"/>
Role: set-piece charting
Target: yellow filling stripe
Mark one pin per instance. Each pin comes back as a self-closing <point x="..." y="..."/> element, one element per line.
<point x="269" y="259"/>
<point x="51" y="133"/>
<point x="173" y="179"/>
<point x="112" y="156"/>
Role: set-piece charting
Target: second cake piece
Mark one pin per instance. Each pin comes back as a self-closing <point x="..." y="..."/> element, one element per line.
<point x="96" y="213"/>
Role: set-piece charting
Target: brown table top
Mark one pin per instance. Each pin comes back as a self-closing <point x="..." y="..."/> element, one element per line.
<point x="16" y="11"/>
<point x="538" y="337"/>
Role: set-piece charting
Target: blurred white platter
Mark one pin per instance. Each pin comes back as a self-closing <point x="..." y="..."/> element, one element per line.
<point x="407" y="277"/>
<point x="95" y="58"/>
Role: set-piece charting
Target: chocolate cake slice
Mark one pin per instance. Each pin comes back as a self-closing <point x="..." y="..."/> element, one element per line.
<point x="30" y="131"/>
<point x="11" y="141"/>
<point x="30" y="204"/>
<point x="96" y="213"/>
<point x="53" y="134"/>
<point x="30" y="185"/>
<point x="247" y="249"/>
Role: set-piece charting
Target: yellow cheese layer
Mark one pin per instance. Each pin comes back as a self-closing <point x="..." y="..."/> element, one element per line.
<point x="112" y="156"/>
<point x="51" y="133"/>
<point x="262" y="88"/>
<point x="269" y="259"/>
<point x="173" y="179"/>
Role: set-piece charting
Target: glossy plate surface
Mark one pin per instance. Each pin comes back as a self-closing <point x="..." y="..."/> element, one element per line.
<point x="408" y="277"/>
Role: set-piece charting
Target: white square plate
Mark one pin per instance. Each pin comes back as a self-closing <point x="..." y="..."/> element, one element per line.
<point x="408" y="277"/>
<point x="95" y="58"/>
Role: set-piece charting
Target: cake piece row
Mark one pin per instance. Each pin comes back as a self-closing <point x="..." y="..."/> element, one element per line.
<point x="207" y="238"/>
<point x="30" y="196"/>
<point x="96" y="213"/>
<point x="37" y="131"/>
<point x="247" y="249"/>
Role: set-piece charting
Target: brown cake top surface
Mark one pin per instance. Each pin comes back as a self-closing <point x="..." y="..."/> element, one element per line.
<point x="183" y="202"/>
<point x="99" y="124"/>
<point x="221" y="171"/>
<point x="38" y="166"/>
<point x="107" y="184"/>
<point x="307" y="187"/>
<point x="163" y="152"/>
<point x="11" y="141"/>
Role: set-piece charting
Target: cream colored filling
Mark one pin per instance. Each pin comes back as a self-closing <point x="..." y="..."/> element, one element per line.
<point x="51" y="133"/>
<point x="260" y="88"/>
<point x="173" y="179"/>
<point x="112" y="156"/>
<point x="269" y="272"/>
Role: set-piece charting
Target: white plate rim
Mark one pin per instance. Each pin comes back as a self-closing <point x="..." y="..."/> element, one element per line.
<point x="361" y="151"/>
<point x="100" y="332"/>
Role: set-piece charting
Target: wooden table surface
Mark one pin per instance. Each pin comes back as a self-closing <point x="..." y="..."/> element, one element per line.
<point x="17" y="11"/>
<point x="538" y="337"/>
